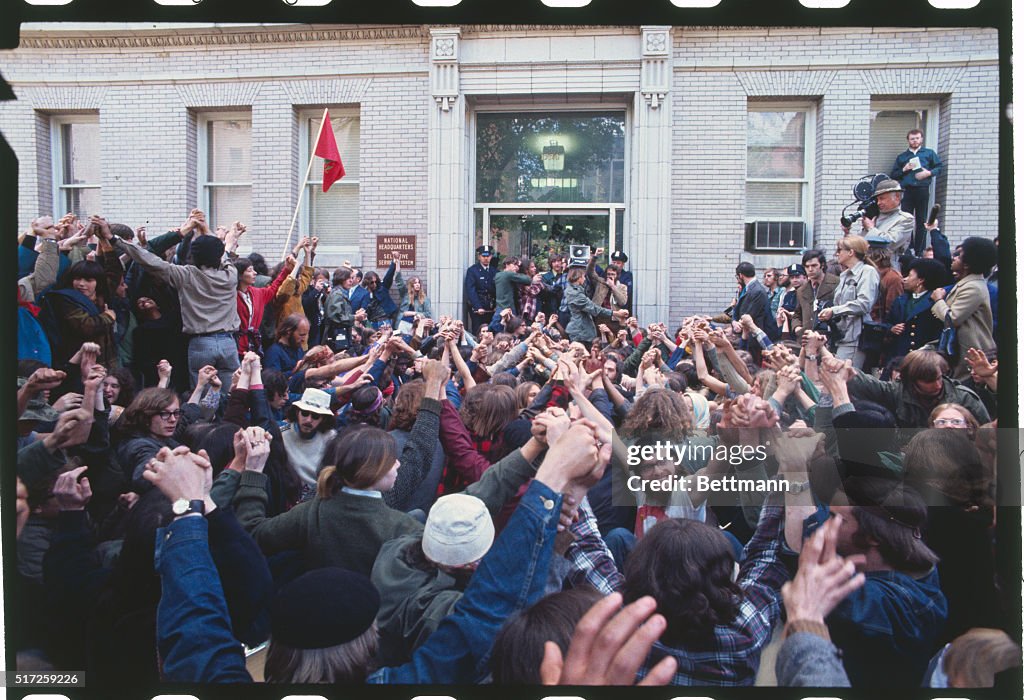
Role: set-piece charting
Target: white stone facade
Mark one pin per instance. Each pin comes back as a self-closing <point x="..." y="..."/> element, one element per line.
<point x="685" y="92"/>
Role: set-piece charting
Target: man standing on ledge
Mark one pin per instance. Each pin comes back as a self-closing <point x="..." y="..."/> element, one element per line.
<point x="478" y="289"/>
<point x="915" y="169"/>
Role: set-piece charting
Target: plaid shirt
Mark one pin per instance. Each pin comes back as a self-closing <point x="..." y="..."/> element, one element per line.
<point x="589" y="556"/>
<point x="736" y="654"/>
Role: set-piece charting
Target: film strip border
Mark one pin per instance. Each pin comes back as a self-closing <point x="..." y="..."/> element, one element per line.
<point x="490" y="14"/>
<point x="483" y="692"/>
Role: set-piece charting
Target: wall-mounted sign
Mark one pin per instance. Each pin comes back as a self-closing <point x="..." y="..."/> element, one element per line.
<point x="388" y="245"/>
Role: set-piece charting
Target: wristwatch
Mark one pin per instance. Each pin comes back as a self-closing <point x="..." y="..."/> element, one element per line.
<point x="183" y="506"/>
<point x="812" y="358"/>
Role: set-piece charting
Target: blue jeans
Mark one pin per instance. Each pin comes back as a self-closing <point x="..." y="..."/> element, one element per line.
<point x="219" y="350"/>
<point x="620" y="542"/>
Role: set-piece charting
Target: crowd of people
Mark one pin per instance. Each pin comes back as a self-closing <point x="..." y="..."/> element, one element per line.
<point x="229" y="473"/>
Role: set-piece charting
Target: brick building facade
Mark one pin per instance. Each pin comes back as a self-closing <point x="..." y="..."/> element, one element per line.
<point x="721" y="128"/>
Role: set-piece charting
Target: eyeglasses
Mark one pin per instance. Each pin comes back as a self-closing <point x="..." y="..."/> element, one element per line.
<point x="309" y="414"/>
<point x="167" y="415"/>
<point x="951" y="422"/>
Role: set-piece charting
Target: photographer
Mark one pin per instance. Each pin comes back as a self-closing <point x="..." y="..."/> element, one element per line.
<point x="892" y="223"/>
<point x="858" y="288"/>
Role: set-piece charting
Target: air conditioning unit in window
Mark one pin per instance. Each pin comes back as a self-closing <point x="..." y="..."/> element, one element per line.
<point x="776" y="235"/>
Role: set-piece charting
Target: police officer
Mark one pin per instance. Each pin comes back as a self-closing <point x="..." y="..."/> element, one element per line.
<point x="478" y="289"/>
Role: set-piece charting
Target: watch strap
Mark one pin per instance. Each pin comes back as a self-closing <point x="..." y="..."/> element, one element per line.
<point x="194" y="506"/>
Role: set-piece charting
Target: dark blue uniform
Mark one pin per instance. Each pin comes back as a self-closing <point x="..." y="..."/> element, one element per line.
<point x="921" y="326"/>
<point x="478" y="290"/>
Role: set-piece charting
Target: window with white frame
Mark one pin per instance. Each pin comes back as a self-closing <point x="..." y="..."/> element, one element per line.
<point x="225" y="167"/>
<point x="76" y="164"/>
<point x="333" y="216"/>
<point x="890" y="122"/>
<point x="780" y="153"/>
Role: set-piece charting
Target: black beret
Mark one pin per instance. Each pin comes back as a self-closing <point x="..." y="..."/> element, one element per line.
<point x="207" y="251"/>
<point x="323" y="608"/>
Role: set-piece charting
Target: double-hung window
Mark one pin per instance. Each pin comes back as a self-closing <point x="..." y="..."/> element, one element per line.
<point x="225" y="168"/>
<point x="76" y="165"/>
<point x="333" y="216"/>
<point x="780" y="152"/>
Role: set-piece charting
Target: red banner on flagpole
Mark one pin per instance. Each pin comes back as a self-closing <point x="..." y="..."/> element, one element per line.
<point x="327" y="148"/>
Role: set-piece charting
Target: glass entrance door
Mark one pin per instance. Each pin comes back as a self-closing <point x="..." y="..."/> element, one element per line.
<point x="536" y="233"/>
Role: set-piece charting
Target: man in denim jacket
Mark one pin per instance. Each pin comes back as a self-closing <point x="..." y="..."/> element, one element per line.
<point x="194" y="634"/>
<point x="889" y="628"/>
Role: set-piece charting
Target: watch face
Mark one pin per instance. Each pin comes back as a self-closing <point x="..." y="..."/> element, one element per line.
<point x="180" y="506"/>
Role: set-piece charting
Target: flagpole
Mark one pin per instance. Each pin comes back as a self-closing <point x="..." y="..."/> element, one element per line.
<point x="302" y="186"/>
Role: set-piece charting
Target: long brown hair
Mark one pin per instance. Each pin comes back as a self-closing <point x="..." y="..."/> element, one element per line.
<point x="948" y="461"/>
<point x="144" y="406"/>
<point x="407" y="404"/>
<point x="660" y="412"/>
<point x="523" y="394"/>
<point x="488" y="408"/>
<point x="416" y="297"/>
<point x="358" y="458"/>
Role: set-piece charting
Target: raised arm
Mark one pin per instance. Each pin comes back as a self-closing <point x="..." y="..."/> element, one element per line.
<point x="418" y="451"/>
<point x="460" y="364"/>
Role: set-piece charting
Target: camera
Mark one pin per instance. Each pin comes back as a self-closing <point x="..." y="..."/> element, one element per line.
<point x="863" y="194"/>
<point x="579" y="255"/>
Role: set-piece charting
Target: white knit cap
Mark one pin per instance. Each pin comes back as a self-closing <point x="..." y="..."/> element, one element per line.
<point x="459" y="530"/>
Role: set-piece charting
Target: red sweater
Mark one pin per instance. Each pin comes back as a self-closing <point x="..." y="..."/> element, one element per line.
<point x="261" y="296"/>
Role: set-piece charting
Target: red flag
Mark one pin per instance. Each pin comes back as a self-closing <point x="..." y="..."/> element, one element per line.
<point x="327" y="148"/>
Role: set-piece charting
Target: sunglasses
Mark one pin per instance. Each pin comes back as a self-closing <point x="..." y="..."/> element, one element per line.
<point x="309" y="414"/>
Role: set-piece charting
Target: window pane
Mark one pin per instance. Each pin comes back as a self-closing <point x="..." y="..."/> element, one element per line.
<point x="538" y="235"/>
<point x="774" y="199"/>
<point x="334" y="215"/>
<point x="478" y="227"/>
<point x="565" y="157"/>
<point x="83" y="202"/>
<point x="228" y="150"/>
<point x="775" y="144"/>
<point x="346" y="134"/>
<point x="620" y="223"/>
<point x="228" y="204"/>
<point x="889" y="135"/>
<point x="81" y="157"/>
